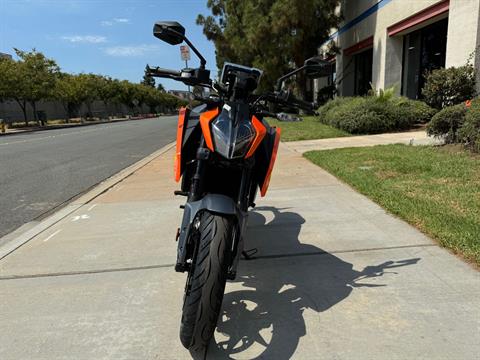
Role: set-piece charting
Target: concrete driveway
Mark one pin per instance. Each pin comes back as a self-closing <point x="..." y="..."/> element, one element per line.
<point x="335" y="277"/>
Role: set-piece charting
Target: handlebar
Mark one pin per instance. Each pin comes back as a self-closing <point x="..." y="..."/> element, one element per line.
<point x="202" y="77"/>
<point x="159" y="72"/>
<point x="288" y="99"/>
<point x="304" y="105"/>
<point x="188" y="76"/>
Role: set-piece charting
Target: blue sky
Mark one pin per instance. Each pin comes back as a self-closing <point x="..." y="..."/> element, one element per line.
<point x="109" y="37"/>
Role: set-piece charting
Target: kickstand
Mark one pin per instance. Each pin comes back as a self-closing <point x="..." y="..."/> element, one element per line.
<point x="248" y="254"/>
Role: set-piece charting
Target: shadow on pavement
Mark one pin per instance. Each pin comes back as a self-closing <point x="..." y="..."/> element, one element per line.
<point x="265" y="320"/>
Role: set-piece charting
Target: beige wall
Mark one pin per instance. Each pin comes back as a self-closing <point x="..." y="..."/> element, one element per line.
<point x="464" y="35"/>
<point x="352" y="8"/>
<point x="463" y="38"/>
<point x="463" y="28"/>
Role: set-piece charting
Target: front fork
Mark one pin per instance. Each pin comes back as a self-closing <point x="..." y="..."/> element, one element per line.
<point x="194" y="206"/>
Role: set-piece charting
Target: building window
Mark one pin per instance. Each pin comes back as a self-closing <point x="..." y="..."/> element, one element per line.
<point x="423" y="50"/>
<point x="363" y="72"/>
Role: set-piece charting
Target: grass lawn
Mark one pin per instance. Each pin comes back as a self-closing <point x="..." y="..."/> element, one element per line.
<point x="435" y="189"/>
<point x="309" y="128"/>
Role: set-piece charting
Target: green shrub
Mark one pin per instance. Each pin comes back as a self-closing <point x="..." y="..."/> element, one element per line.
<point x="447" y="122"/>
<point x="447" y="87"/>
<point x="417" y="110"/>
<point x="338" y="101"/>
<point x="469" y="133"/>
<point x="357" y="117"/>
<point x="374" y="114"/>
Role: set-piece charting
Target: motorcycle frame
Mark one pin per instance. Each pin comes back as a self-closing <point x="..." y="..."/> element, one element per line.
<point x="195" y="180"/>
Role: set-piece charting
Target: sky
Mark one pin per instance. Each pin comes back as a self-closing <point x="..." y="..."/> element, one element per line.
<point x="108" y="37"/>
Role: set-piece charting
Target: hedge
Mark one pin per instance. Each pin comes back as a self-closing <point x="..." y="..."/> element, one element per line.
<point x="458" y="124"/>
<point x="374" y="114"/>
<point x="447" y="87"/>
<point x="447" y="122"/>
<point x="469" y="133"/>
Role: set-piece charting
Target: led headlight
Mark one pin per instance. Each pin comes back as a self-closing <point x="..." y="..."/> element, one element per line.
<point x="232" y="136"/>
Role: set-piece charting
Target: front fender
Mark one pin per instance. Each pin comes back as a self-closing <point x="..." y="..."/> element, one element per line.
<point x="215" y="203"/>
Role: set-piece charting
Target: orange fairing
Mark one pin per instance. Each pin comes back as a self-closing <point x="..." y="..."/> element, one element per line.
<point x="177" y="167"/>
<point x="205" y="120"/>
<point x="260" y="130"/>
<point x="266" y="182"/>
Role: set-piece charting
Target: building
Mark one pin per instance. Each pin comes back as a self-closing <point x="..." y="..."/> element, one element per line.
<point x="5" y="56"/>
<point x="386" y="43"/>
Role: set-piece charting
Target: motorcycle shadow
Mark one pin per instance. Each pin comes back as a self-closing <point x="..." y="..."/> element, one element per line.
<point x="262" y="311"/>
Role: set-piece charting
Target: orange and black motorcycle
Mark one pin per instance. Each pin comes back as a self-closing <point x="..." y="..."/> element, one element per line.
<point x="225" y="153"/>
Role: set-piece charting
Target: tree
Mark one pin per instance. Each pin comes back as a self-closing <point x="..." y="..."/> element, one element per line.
<point x="40" y="74"/>
<point x="272" y="35"/>
<point x="71" y="92"/>
<point x="91" y="84"/>
<point x="153" y="99"/>
<point x="148" y="80"/>
<point x="160" y="87"/>
<point x="142" y="94"/>
<point x="4" y="70"/>
<point x="13" y="83"/>
<point x="107" y="90"/>
<point x="75" y="90"/>
<point x="127" y="94"/>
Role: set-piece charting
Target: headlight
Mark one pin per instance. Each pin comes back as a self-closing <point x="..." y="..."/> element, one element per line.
<point x="232" y="134"/>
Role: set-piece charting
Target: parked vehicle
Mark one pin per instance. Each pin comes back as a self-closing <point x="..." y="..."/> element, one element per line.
<point x="225" y="153"/>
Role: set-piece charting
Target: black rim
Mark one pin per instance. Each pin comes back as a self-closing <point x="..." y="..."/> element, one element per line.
<point x="191" y="271"/>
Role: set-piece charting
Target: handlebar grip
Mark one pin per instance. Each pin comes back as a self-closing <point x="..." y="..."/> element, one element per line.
<point x="305" y="105"/>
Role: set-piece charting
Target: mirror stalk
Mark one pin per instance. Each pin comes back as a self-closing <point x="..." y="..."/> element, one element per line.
<point x="313" y="63"/>
<point x="290" y="74"/>
<point x="203" y="62"/>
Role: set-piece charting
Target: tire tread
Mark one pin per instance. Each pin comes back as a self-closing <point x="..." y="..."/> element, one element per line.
<point x="202" y="305"/>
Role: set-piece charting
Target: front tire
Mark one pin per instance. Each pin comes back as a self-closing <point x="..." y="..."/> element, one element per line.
<point x="206" y="282"/>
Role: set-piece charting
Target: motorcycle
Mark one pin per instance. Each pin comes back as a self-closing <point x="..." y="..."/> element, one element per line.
<point x="225" y="153"/>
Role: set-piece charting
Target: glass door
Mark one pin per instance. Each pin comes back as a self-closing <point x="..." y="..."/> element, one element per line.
<point x="423" y="50"/>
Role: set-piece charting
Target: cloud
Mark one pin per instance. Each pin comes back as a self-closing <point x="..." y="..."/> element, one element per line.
<point x="115" y="21"/>
<point x="129" y="51"/>
<point x="85" y="39"/>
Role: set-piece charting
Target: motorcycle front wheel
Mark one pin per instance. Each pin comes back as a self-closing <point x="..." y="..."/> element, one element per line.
<point x="206" y="282"/>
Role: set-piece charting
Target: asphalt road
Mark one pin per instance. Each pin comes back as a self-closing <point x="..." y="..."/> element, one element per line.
<point x="42" y="170"/>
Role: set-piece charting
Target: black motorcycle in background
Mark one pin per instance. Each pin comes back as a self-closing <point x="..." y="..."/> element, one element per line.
<point x="225" y="154"/>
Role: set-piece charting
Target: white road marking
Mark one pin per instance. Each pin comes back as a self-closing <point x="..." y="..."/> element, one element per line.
<point x="91" y="207"/>
<point x="18" y="207"/>
<point x="80" y="217"/>
<point x="53" y="136"/>
<point x="51" y="236"/>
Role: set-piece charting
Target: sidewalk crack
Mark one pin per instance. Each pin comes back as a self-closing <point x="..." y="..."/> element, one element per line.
<point x="85" y="272"/>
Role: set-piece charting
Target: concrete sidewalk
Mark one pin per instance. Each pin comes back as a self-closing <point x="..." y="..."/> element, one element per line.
<point x="410" y="137"/>
<point x="336" y="277"/>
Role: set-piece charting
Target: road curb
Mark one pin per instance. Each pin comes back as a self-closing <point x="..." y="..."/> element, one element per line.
<point x="15" y="243"/>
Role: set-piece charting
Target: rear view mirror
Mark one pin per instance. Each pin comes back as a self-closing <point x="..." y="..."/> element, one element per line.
<point x="317" y="67"/>
<point x="171" y="32"/>
<point x="315" y="60"/>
